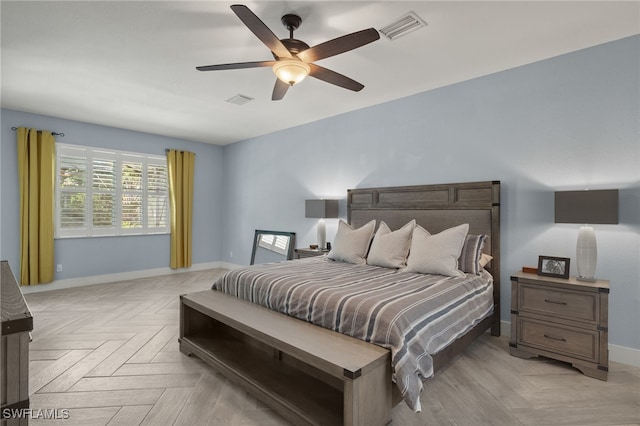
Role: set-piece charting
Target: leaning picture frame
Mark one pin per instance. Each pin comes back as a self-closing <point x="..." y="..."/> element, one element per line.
<point x="551" y="266"/>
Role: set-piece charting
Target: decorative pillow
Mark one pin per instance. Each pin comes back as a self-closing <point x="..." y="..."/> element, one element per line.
<point x="390" y="249"/>
<point x="437" y="254"/>
<point x="469" y="261"/>
<point x="351" y="245"/>
<point x="485" y="259"/>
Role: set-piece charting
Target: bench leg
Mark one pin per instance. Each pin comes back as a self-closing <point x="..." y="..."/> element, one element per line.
<point x="367" y="399"/>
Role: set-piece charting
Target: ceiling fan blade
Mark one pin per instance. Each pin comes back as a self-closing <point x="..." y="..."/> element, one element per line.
<point x="333" y="77"/>
<point x="339" y="45"/>
<point x="236" y="66"/>
<point x="279" y="90"/>
<point x="261" y="30"/>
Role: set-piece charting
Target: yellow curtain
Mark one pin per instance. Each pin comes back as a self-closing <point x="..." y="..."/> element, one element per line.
<point x="180" y="168"/>
<point x="36" y="177"/>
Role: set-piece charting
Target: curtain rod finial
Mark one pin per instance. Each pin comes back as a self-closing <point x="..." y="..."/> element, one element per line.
<point x="14" y="128"/>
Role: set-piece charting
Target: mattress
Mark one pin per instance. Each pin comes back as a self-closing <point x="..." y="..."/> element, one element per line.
<point x="413" y="315"/>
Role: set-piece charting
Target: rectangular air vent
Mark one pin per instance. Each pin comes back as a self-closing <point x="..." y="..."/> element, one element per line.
<point x="402" y="26"/>
<point x="239" y="99"/>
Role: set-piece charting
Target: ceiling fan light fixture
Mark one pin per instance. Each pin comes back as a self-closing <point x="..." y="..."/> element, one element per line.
<point x="291" y="71"/>
<point x="294" y="59"/>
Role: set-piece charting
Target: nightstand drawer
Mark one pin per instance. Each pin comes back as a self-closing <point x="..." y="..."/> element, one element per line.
<point x="573" y="305"/>
<point x="570" y="341"/>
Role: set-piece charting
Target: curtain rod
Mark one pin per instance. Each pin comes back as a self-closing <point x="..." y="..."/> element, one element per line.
<point x="53" y="133"/>
<point x="179" y="150"/>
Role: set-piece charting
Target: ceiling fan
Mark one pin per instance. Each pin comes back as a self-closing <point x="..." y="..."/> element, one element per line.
<point x="294" y="58"/>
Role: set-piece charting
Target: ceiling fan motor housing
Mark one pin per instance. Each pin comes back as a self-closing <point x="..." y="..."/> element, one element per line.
<point x="294" y="46"/>
<point x="292" y="22"/>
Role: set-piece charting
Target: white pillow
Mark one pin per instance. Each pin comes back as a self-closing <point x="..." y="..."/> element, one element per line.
<point x="437" y="254"/>
<point x="390" y="249"/>
<point x="351" y="245"/>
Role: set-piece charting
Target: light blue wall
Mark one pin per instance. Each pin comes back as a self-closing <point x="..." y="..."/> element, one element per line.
<point x="82" y="257"/>
<point x="570" y="122"/>
<point x="565" y="123"/>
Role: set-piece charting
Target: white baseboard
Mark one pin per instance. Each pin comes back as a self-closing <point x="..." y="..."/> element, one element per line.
<point x="227" y="265"/>
<point x="624" y="355"/>
<point x="505" y="328"/>
<point x="617" y="353"/>
<point x="121" y="276"/>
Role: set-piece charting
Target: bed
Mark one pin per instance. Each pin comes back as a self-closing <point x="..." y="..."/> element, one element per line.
<point x="349" y="299"/>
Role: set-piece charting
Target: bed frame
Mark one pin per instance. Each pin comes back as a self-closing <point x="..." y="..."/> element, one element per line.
<point x="314" y="376"/>
<point x="436" y="208"/>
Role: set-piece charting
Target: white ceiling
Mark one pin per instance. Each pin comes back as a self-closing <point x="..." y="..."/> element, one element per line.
<point x="131" y="64"/>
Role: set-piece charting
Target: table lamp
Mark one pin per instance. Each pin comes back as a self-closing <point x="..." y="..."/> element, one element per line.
<point x="587" y="208"/>
<point x="323" y="209"/>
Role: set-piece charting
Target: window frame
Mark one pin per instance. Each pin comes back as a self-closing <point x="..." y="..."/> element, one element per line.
<point x="89" y="155"/>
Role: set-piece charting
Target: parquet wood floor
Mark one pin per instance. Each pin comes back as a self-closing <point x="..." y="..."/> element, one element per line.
<point x="109" y="355"/>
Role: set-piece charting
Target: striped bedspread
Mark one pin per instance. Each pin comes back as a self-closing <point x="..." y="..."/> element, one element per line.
<point x="413" y="315"/>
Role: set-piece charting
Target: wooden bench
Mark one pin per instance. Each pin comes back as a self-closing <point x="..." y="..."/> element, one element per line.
<point x="309" y="375"/>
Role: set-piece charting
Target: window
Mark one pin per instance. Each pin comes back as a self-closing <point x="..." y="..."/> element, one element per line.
<point x="101" y="192"/>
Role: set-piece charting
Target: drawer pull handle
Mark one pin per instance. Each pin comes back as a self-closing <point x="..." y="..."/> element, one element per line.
<point x="557" y="302"/>
<point x="562" y="339"/>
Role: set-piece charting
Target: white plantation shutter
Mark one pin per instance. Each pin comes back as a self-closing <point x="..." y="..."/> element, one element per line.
<point x="132" y="173"/>
<point x="266" y="240"/>
<point x="281" y="243"/>
<point x="71" y="200"/>
<point x="101" y="192"/>
<point x="276" y="243"/>
<point x="157" y="196"/>
<point x="103" y="197"/>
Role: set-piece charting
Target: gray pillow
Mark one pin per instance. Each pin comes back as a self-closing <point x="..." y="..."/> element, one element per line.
<point x="471" y="253"/>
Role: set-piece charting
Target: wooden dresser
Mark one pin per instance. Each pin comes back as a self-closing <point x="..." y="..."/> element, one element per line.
<point x="17" y="323"/>
<point x="563" y="319"/>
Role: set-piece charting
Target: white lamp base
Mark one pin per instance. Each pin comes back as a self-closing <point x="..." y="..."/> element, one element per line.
<point x="322" y="235"/>
<point x="586" y="254"/>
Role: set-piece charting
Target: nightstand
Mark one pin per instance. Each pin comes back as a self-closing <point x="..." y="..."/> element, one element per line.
<point x="307" y="252"/>
<point x="563" y="319"/>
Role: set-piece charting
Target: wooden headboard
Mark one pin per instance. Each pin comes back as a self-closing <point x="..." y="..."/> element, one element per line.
<point x="436" y="208"/>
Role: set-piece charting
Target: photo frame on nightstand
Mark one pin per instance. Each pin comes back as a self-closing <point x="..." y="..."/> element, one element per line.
<point x="551" y="266"/>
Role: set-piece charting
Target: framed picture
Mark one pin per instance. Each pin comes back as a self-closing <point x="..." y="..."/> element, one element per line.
<point x="553" y="266"/>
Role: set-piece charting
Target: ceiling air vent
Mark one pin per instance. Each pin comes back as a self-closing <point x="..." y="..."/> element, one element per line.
<point x="403" y="26"/>
<point x="239" y="99"/>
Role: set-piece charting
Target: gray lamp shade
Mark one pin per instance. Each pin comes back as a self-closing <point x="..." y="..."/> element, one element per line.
<point x="321" y="208"/>
<point x="587" y="207"/>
